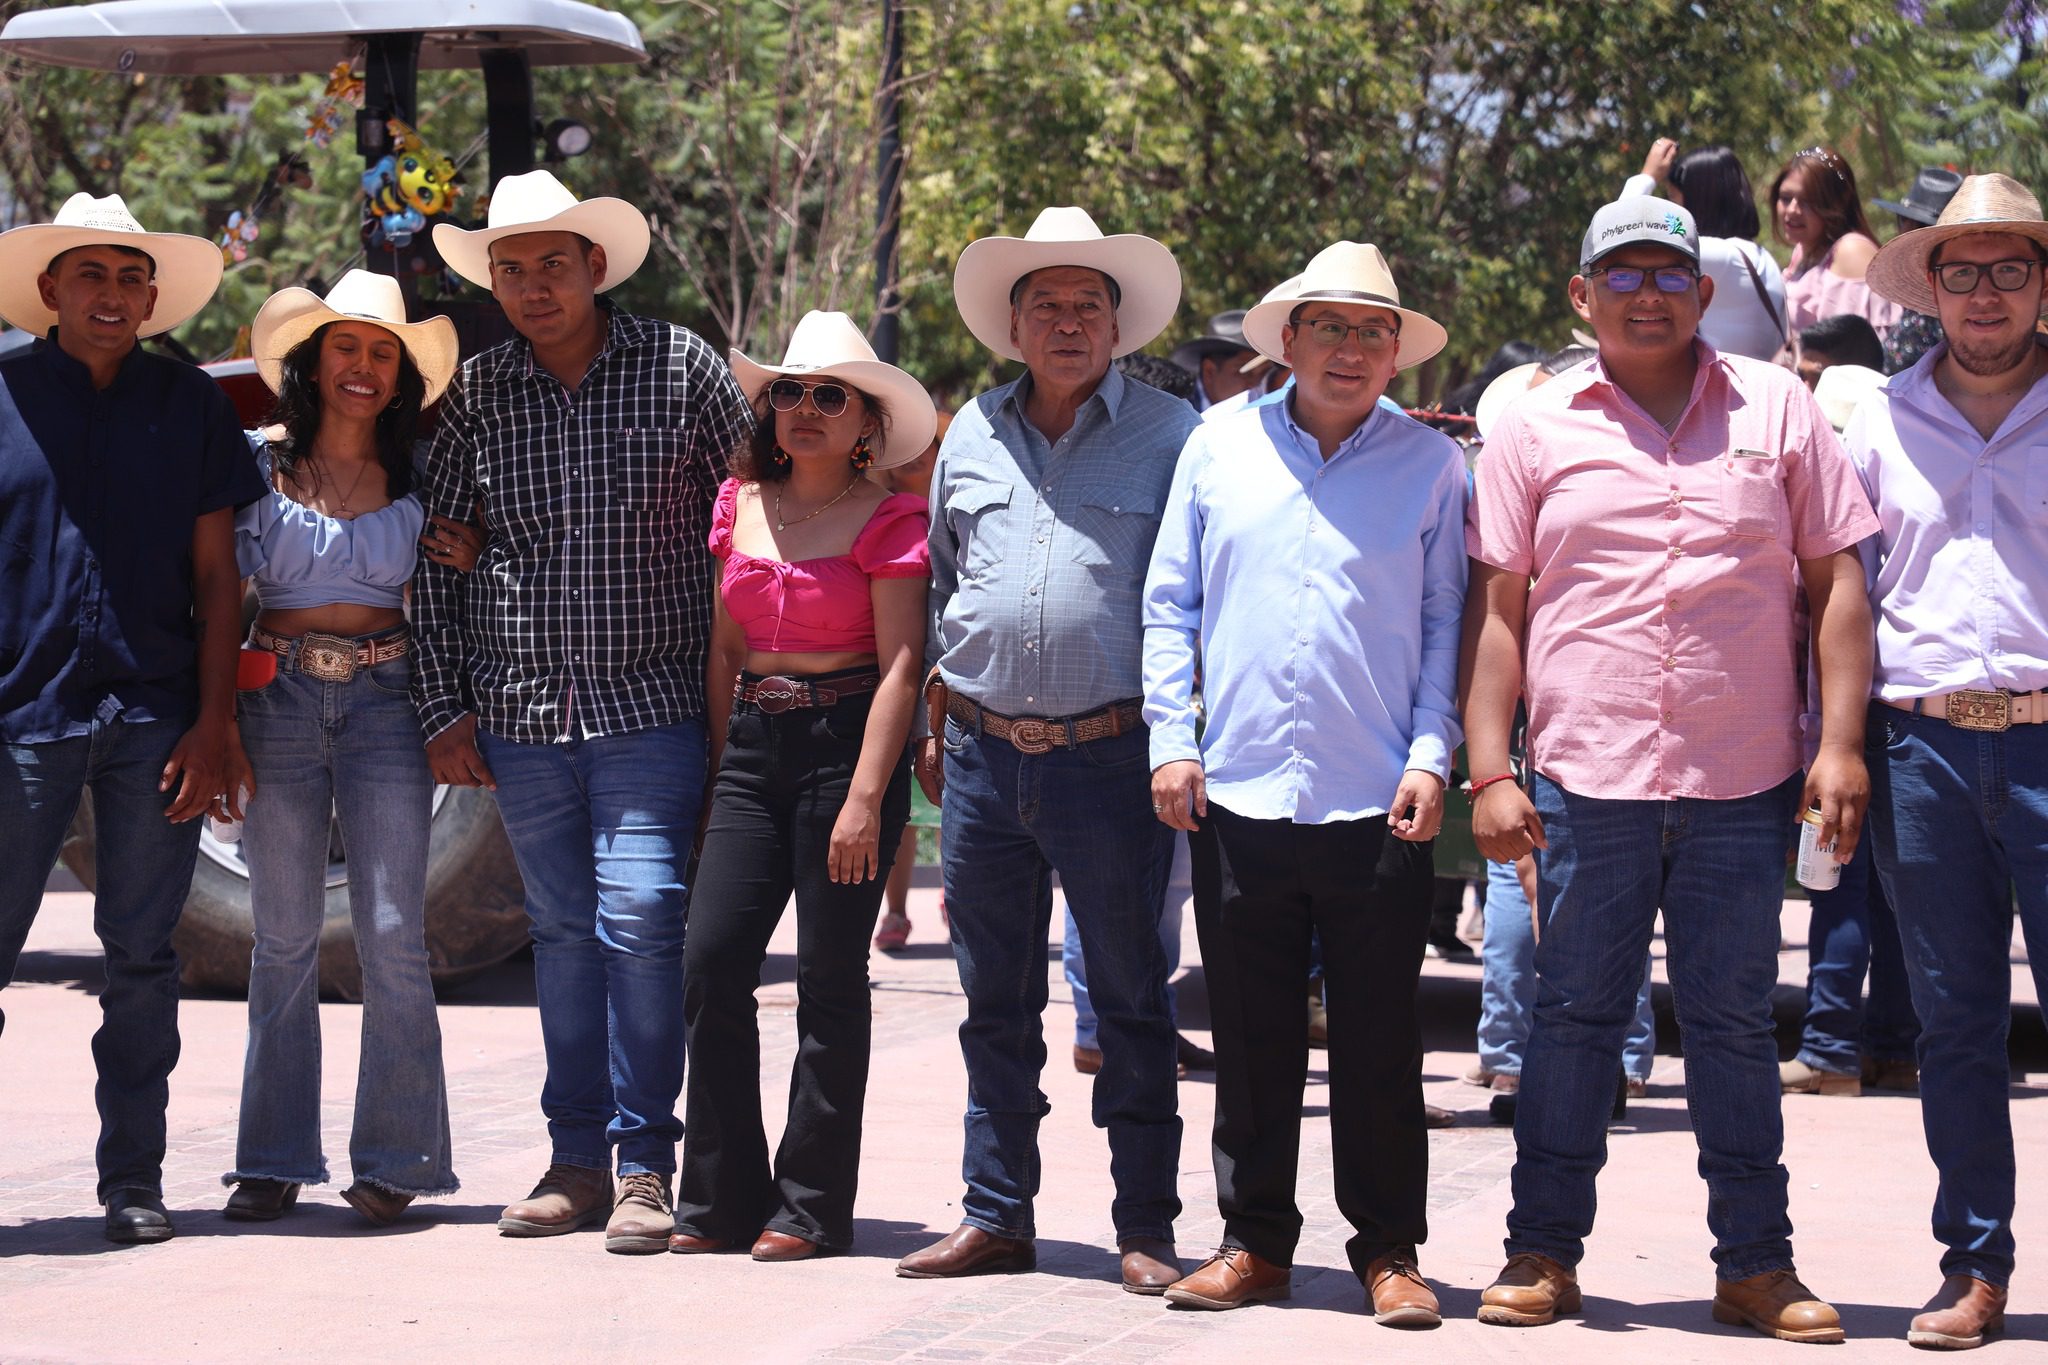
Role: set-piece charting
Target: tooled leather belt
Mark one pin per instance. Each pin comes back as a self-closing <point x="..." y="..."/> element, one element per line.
<point x="778" y="693"/>
<point x="1040" y="734"/>
<point x="331" y="658"/>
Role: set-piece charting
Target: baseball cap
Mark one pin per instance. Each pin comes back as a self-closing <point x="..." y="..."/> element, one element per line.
<point x="1639" y="218"/>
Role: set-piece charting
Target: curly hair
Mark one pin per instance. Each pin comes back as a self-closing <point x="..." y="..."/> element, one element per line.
<point x="298" y="411"/>
<point x="755" y="462"/>
<point x="1830" y="193"/>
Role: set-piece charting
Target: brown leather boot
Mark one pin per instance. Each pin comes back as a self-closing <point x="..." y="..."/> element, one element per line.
<point x="642" y="1218"/>
<point x="1962" y="1313"/>
<point x="379" y="1205"/>
<point x="1529" y="1291"/>
<point x="1148" y="1264"/>
<point x="1232" y="1278"/>
<point x="969" y="1251"/>
<point x="1400" y="1296"/>
<point x="1778" y="1305"/>
<point x="567" y="1198"/>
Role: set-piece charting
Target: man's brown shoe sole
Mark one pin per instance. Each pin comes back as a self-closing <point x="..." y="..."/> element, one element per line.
<point x="519" y="1227"/>
<point x="1500" y="1315"/>
<point x="1188" y="1298"/>
<point x="635" y="1244"/>
<point x="1949" y="1341"/>
<point x="1729" y="1315"/>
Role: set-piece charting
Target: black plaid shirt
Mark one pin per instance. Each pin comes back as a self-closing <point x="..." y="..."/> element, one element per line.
<point x="589" y="611"/>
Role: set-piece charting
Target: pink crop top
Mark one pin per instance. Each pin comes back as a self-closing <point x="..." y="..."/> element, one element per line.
<point x="819" y="606"/>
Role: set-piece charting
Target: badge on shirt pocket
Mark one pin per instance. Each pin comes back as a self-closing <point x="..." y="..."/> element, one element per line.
<point x="1742" y="454"/>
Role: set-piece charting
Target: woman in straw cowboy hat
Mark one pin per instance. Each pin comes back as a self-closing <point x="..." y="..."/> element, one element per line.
<point x="332" y="548"/>
<point x="812" y="680"/>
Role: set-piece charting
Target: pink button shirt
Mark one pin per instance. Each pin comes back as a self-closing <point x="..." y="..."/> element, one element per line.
<point x="1660" y="653"/>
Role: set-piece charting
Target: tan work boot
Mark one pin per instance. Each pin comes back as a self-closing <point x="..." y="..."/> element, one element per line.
<point x="1797" y="1078"/>
<point x="643" y="1217"/>
<point x="567" y="1198"/>
<point x="1778" y="1305"/>
<point x="1529" y="1291"/>
<point x="1960" y="1316"/>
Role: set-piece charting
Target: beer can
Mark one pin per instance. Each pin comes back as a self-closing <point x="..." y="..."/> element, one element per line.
<point x="1817" y="868"/>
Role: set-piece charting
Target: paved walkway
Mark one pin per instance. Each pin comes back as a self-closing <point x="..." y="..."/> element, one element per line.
<point x="321" y="1285"/>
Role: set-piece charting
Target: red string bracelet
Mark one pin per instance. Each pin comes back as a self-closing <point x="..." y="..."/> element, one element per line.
<point x="1477" y="787"/>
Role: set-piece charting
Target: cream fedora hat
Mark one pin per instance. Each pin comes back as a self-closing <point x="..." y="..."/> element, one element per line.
<point x="289" y="316"/>
<point x="537" y="202"/>
<point x="829" y="346"/>
<point x="1984" y="203"/>
<point x="1144" y="270"/>
<point x="187" y="268"/>
<point x="1344" y="272"/>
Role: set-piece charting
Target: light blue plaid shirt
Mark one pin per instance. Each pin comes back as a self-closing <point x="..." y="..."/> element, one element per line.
<point x="1039" y="550"/>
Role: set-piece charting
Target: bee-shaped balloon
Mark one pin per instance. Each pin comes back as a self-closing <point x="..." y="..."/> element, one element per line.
<point x="408" y="186"/>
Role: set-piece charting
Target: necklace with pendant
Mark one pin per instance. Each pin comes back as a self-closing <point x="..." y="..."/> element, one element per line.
<point x="341" y="507"/>
<point x="782" y="525"/>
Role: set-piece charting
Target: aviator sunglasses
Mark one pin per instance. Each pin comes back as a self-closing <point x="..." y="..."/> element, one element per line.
<point x="787" y="395"/>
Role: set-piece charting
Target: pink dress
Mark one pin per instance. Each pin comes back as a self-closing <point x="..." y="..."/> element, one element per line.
<point x="1815" y="292"/>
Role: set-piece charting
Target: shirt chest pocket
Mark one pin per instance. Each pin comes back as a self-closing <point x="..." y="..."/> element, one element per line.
<point x="975" y="511"/>
<point x="2034" y="511"/>
<point x="1752" y="497"/>
<point x="647" y="467"/>
<point x="1115" y="527"/>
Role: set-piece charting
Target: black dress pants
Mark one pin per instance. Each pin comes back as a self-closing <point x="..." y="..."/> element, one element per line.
<point x="1367" y="895"/>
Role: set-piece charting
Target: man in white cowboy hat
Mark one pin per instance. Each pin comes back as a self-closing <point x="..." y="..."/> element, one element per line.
<point x="1310" y="568"/>
<point x="1045" y="501"/>
<point x="1217" y="359"/>
<point x="567" y="672"/>
<point x="1951" y="452"/>
<point x="1665" y="500"/>
<point x="120" y="617"/>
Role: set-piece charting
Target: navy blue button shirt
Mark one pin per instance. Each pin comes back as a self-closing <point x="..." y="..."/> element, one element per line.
<point x="99" y="492"/>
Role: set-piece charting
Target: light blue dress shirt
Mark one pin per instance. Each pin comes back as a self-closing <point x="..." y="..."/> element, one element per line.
<point x="1321" y="601"/>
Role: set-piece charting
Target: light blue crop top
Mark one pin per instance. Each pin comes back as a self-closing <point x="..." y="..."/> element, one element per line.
<point x="303" y="558"/>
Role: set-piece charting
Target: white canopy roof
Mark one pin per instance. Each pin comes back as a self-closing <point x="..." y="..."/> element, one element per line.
<point x="219" y="37"/>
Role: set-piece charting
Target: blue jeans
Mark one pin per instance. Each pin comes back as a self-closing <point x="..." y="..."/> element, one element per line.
<point x="350" y="750"/>
<point x="1074" y="963"/>
<point x="1717" y="870"/>
<point x="1851" y="931"/>
<point x="1959" y="823"/>
<point x="601" y="829"/>
<point x="1011" y="820"/>
<point x="1507" y="993"/>
<point x="144" y="871"/>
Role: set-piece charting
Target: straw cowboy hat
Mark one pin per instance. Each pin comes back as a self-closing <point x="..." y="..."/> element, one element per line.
<point x="1842" y="388"/>
<point x="1144" y="270"/>
<point x="829" y="346"/>
<point x="1984" y="203"/>
<point x="1344" y="272"/>
<point x="187" y="268"/>
<point x="289" y="316"/>
<point x="537" y="202"/>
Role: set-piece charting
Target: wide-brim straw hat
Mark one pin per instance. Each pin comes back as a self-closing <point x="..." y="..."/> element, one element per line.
<point x="1343" y="272"/>
<point x="537" y="202"/>
<point x="289" y="316"/>
<point x="188" y="268"/>
<point x="1984" y="203"/>
<point x="1506" y="387"/>
<point x="1146" y="275"/>
<point x="829" y="346"/>
<point x="1841" y="389"/>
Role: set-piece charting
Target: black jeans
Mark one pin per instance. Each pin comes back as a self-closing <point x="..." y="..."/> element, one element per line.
<point x="781" y="783"/>
<point x="1367" y="895"/>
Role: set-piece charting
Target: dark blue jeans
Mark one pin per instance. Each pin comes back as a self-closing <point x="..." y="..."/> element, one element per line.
<point x="1011" y="821"/>
<point x="1851" y="932"/>
<point x="1718" y="870"/>
<point x="601" y="829"/>
<point x="1959" y="823"/>
<point x="144" y="867"/>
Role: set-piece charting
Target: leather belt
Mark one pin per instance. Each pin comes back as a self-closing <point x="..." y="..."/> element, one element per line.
<point x="331" y="658"/>
<point x="1979" y="710"/>
<point x="778" y="692"/>
<point x="1041" y="734"/>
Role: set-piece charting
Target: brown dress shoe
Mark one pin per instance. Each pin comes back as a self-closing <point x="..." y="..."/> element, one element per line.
<point x="969" y="1251"/>
<point x="1149" y="1264"/>
<point x="380" y="1206"/>
<point x="1400" y="1296"/>
<point x="1087" y="1060"/>
<point x="1529" y="1291"/>
<point x="690" y="1244"/>
<point x="780" y="1246"/>
<point x="567" y="1198"/>
<point x="1900" y="1074"/>
<point x="1776" y="1304"/>
<point x="643" y="1218"/>
<point x="1962" y="1313"/>
<point x="1232" y="1278"/>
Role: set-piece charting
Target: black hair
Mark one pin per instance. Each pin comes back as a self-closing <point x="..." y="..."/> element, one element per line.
<point x="756" y="460"/>
<point x="1465" y="398"/>
<point x="1161" y="374"/>
<point x="1562" y="359"/>
<point x="1717" y="193"/>
<point x="51" y="268"/>
<point x="298" y="411"/>
<point x="1844" y="338"/>
<point x="1116" y="291"/>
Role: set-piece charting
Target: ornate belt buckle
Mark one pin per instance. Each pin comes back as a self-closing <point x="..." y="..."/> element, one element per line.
<point x="775" y="695"/>
<point x="1980" y="711"/>
<point x="329" y="658"/>
<point x="1031" y="736"/>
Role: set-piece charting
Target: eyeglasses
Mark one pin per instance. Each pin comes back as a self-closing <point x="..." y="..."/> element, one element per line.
<point x="1627" y="279"/>
<point x="787" y="395"/>
<point x="1372" y="336"/>
<point x="1960" y="277"/>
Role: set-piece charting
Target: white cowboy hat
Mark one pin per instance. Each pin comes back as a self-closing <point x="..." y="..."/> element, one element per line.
<point x="1984" y="203"/>
<point x="1842" y="388"/>
<point x="537" y="202"/>
<point x="289" y="316"/>
<point x="1344" y="272"/>
<point x="1506" y="387"/>
<point x="1145" y="272"/>
<point x="187" y="268"/>
<point x="829" y="346"/>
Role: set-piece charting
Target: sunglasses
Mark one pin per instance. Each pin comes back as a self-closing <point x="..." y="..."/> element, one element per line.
<point x="1627" y="279"/>
<point x="787" y="395"/>
<point x="1960" y="277"/>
